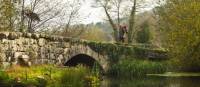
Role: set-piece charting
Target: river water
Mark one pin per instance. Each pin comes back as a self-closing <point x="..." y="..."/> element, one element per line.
<point x="153" y="82"/>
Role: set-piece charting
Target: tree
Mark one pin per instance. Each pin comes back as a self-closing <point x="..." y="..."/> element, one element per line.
<point x="8" y="16"/>
<point x="106" y="5"/>
<point x="116" y="6"/>
<point x="180" y="22"/>
<point x="93" y="33"/>
<point x="70" y="19"/>
<point x="132" y="22"/>
<point x="144" y="35"/>
<point x="113" y="10"/>
<point x="46" y="11"/>
<point x="136" y="6"/>
<point x="14" y="16"/>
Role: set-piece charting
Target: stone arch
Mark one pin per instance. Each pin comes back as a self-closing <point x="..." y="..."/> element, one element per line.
<point x="84" y="60"/>
<point x="76" y="52"/>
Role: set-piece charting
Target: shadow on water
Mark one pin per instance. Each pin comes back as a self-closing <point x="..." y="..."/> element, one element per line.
<point x="153" y="82"/>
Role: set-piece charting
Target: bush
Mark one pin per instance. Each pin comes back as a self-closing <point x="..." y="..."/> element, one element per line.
<point x="181" y="31"/>
<point x="144" y="35"/>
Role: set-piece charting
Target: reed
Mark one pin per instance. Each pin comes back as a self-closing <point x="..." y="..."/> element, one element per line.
<point x="131" y="68"/>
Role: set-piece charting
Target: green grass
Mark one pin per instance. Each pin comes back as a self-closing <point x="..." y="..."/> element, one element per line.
<point x="130" y="68"/>
<point x="50" y="76"/>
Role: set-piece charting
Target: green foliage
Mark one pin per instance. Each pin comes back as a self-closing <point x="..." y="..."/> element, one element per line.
<point x="4" y="79"/>
<point x="86" y="32"/>
<point x="130" y="68"/>
<point x="144" y="35"/>
<point x="7" y="15"/>
<point x="180" y="21"/>
<point x="73" y="77"/>
<point x="50" y="76"/>
<point x="116" y="50"/>
<point x="94" y="34"/>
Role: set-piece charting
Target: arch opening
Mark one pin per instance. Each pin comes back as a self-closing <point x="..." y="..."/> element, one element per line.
<point x="84" y="60"/>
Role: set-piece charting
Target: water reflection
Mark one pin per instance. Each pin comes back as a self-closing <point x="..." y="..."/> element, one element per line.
<point x="153" y="82"/>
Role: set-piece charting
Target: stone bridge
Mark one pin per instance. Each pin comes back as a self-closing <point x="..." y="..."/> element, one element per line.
<point x="31" y="48"/>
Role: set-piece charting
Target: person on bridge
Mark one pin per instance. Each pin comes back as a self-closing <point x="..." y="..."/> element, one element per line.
<point x="122" y="33"/>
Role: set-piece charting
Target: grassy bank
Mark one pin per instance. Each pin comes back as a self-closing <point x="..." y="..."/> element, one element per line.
<point x="131" y="68"/>
<point x="48" y="76"/>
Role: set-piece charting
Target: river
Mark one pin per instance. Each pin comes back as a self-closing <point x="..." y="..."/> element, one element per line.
<point x="153" y="82"/>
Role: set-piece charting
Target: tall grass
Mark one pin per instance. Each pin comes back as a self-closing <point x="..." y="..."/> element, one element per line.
<point x="4" y="79"/>
<point x="72" y="77"/>
<point x="131" y="68"/>
<point x="50" y="76"/>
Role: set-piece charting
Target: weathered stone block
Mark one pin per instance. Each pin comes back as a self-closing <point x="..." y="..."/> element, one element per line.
<point x="18" y="54"/>
<point x="59" y="59"/>
<point x="3" y="36"/>
<point x="13" y="36"/>
<point x="8" y="59"/>
<point x="32" y="41"/>
<point x="67" y="39"/>
<point x="2" y="57"/>
<point x="52" y="38"/>
<point x="43" y="36"/>
<point x="34" y="48"/>
<point x="5" y="41"/>
<point x="27" y="35"/>
<point x="19" y="42"/>
<point x="66" y="50"/>
<point x="35" y="36"/>
<point x="41" y="42"/>
<point x="60" y="39"/>
<point x="52" y="56"/>
<point x="25" y="58"/>
<point x="64" y="45"/>
<point x="42" y="52"/>
<point x="58" y="50"/>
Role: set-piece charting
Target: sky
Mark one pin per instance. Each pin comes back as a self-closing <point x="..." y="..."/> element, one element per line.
<point x="90" y="14"/>
<point x="93" y="15"/>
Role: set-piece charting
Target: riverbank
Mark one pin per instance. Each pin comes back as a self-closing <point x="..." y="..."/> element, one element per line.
<point x="140" y="71"/>
<point x="48" y="76"/>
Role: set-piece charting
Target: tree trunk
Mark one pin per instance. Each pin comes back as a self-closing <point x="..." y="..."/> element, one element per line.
<point x="118" y="15"/>
<point x="115" y="29"/>
<point x="132" y="23"/>
<point x="30" y="22"/>
<point x="22" y="18"/>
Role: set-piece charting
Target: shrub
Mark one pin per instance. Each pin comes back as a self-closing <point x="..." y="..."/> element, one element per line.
<point x="144" y="35"/>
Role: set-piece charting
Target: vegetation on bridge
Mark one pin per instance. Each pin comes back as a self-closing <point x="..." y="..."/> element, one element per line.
<point x="118" y="50"/>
